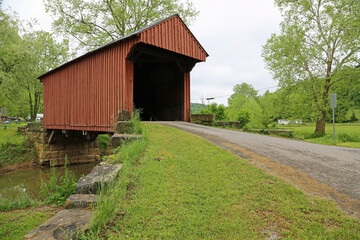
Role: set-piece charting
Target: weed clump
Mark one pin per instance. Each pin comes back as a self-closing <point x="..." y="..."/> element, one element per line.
<point x="23" y="200"/>
<point x="57" y="190"/>
<point x="11" y="153"/>
<point x="136" y="125"/>
<point x="104" y="143"/>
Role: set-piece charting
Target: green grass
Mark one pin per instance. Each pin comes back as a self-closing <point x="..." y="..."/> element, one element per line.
<point x="11" y="135"/>
<point x="347" y="134"/>
<point x="14" y="147"/>
<point x="184" y="187"/>
<point x="108" y="198"/>
<point x="23" y="200"/>
<point x="15" y="224"/>
<point x="104" y="143"/>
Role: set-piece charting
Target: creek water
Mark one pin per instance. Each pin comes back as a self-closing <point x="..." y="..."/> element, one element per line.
<point x="29" y="180"/>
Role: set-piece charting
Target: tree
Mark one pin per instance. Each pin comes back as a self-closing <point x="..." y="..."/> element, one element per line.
<point x="243" y="116"/>
<point x="217" y="110"/>
<point x="10" y="45"/>
<point x="94" y="23"/>
<point x="243" y="89"/>
<point x="347" y="95"/>
<point x="24" y="57"/>
<point x="42" y="53"/>
<point x="318" y="45"/>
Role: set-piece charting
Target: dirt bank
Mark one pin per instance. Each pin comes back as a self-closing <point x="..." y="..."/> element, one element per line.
<point x="18" y="166"/>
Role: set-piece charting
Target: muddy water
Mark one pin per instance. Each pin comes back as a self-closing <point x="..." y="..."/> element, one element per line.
<point x="29" y="180"/>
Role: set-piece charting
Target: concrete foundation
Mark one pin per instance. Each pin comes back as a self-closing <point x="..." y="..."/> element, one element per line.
<point x="202" y="117"/>
<point x="52" y="146"/>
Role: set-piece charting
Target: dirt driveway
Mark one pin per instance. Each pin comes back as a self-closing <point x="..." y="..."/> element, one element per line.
<point x="324" y="171"/>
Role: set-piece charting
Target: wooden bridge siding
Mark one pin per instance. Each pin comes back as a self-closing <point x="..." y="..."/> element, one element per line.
<point x="87" y="94"/>
<point x="187" y="97"/>
<point x="173" y="35"/>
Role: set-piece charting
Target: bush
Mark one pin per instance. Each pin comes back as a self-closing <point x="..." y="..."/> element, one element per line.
<point x="287" y="134"/>
<point x="16" y="153"/>
<point x="243" y="116"/>
<point x="56" y="190"/>
<point x="104" y="143"/>
<point x="264" y="131"/>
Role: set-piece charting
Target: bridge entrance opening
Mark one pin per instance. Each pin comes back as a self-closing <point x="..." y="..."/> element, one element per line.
<point x="158" y="84"/>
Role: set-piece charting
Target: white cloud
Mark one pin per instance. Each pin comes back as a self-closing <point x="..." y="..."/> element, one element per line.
<point x="30" y="9"/>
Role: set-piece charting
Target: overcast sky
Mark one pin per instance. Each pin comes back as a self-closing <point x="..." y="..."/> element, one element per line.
<point x="232" y="32"/>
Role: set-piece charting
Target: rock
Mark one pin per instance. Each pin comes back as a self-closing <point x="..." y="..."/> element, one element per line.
<point x="124" y="127"/>
<point x="80" y="201"/>
<point x="100" y="176"/>
<point x="66" y="224"/>
<point x="35" y="127"/>
<point x="118" y="139"/>
<point x="124" y="115"/>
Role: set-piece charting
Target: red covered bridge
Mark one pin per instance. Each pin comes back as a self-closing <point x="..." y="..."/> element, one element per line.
<point x="147" y="69"/>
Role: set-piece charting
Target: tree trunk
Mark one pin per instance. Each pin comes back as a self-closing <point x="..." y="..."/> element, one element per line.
<point x="320" y="123"/>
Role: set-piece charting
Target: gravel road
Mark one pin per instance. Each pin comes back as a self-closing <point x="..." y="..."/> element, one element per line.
<point x="337" y="167"/>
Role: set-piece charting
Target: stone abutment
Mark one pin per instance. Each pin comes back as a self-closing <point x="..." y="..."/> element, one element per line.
<point x="52" y="146"/>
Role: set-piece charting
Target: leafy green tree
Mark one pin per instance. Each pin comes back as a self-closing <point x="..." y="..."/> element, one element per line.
<point x="243" y="116"/>
<point x="11" y="55"/>
<point x="347" y="95"/>
<point x="11" y="52"/>
<point x="236" y="102"/>
<point x="43" y="53"/>
<point x="94" y="23"/>
<point x="243" y="89"/>
<point x="22" y="59"/>
<point x="246" y="97"/>
<point x="218" y="110"/>
<point x="272" y="106"/>
<point x="319" y="44"/>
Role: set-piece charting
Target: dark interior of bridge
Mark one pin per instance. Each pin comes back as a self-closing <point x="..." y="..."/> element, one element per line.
<point x="159" y="83"/>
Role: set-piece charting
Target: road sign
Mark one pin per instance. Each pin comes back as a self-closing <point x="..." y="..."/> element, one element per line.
<point x="333" y="103"/>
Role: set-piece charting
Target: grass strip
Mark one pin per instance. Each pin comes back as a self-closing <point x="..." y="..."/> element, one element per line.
<point x="15" y="224"/>
<point x="186" y="188"/>
<point x="109" y="199"/>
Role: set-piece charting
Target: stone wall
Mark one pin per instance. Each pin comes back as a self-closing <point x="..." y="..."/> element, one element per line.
<point x="202" y="117"/>
<point x="52" y="146"/>
<point x="233" y="124"/>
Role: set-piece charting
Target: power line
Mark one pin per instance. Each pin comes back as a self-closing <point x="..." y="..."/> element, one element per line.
<point x="200" y="99"/>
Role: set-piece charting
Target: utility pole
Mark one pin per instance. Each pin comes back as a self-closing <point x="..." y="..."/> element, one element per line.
<point x="208" y="99"/>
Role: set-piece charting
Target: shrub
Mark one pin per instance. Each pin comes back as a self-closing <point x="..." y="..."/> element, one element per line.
<point x="104" y="143"/>
<point x="56" y="190"/>
<point x="243" y="116"/>
<point x="264" y="131"/>
<point x="16" y="153"/>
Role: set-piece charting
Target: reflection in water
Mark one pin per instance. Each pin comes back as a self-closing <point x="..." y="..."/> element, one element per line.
<point x="29" y="180"/>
